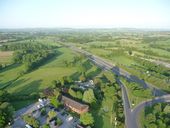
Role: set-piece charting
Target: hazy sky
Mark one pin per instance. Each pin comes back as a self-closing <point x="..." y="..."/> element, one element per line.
<point x="85" y="13"/>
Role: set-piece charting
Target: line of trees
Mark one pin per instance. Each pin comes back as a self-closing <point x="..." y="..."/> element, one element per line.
<point x="26" y="46"/>
<point x="32" y="59"/>
<point x="150" y="66"/>
<point x="136" y="89"/>
<point x="32" y="55"/>
<point x="6" y="109"/>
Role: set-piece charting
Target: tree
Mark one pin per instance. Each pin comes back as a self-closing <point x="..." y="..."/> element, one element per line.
<point x="107" y="104"/>
<point x="97" y="81"/>
<point x="157" y="108"/>
<point x="62" y="80"/>
<point x="54" y="101"/>
<point x="1" y="66"/>
<point x="152" y="125"/>
<point x="87" y="119"/>
<point x="2" y="119"/>
<point x="69" y="79"/>
<point x="43" y="112"/>
<point x="89" y="97"/>
<point x="167" y="109"/>
<point x="79" y="95"/>
<point x="56" y="93"/>
<point x="130" y="52"/>
<point x="6" y="113"/>
<point x="150" y="118"/>
<point x="72" y="92"/>
<point x="52" y="114"/>
<point x="56" y="83"/>
<point x="82" y="69"/>
<point x="46" y="126"/>
<point x="82" y="78"/>
<point x="31" y="121"/>
<point x="160" y="124"/>
<point x="4" y="96"/>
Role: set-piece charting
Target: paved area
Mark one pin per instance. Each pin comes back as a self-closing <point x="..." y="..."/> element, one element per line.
<point x="19" y="123"/>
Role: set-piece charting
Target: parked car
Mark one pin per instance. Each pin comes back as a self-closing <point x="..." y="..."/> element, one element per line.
<point x="56" y="109"/>
<point x="40" y="106"/>
<point x="28" y="126"/>
<point x="69" y="118"/>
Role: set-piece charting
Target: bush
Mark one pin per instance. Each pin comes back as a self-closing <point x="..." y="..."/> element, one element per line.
<point x="31" y="121"/>
<point x="58" y="121"/>
<point x="43" y="112"/>
<point x="46" y="126"/>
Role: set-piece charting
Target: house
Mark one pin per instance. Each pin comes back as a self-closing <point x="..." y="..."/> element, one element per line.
<point x="74" y="105"/>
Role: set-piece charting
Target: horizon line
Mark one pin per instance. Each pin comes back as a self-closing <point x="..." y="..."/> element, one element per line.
<point x="142" y="28"/>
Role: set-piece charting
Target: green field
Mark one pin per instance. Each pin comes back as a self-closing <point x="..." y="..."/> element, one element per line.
<point x="41" y="78"/>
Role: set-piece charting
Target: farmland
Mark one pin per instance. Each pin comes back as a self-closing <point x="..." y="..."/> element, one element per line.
<point x="6" y="57"/>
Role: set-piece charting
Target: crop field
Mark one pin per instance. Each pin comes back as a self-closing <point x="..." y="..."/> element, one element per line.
<point x="6" y="57"/>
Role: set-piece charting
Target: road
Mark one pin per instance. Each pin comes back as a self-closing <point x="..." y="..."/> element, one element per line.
<point x="118" y="71"/>
<point x="131" y="116"/>
<point x="135" y="112"/>
<point x="129" y="121"/>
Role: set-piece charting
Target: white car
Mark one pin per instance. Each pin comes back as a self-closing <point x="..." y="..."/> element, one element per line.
<point x="69" y="118"/>
<point x="27" y="126"/>
<point x="40" y="106"/>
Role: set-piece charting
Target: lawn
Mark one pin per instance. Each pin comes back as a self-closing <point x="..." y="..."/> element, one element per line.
<point x="102" y="120"/>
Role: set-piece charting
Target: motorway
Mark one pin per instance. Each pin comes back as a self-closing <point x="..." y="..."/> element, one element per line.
<point x="131" y="115"/>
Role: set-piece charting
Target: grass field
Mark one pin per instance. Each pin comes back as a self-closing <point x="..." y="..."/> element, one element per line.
<point x="41" y="78"/>
<point x="103" y="120"/>
<point x="22" y="103"/>
<point x="115" y="59"/>
<point x="6" y="57"/>
<point x="9" y="75"/>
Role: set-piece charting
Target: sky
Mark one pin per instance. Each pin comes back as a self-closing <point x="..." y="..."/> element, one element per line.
<point x="85" y="14"/>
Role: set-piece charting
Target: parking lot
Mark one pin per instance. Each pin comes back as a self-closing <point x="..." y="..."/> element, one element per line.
<point x="62" y="114"/>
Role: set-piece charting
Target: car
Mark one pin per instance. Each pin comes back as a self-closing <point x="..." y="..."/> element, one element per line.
<point x="28" y="126"/>
<point x="56" y="109"/>
<point x="69" y="118"/>
<point x="51" y="107"/>
<point x="40" y="106"/>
